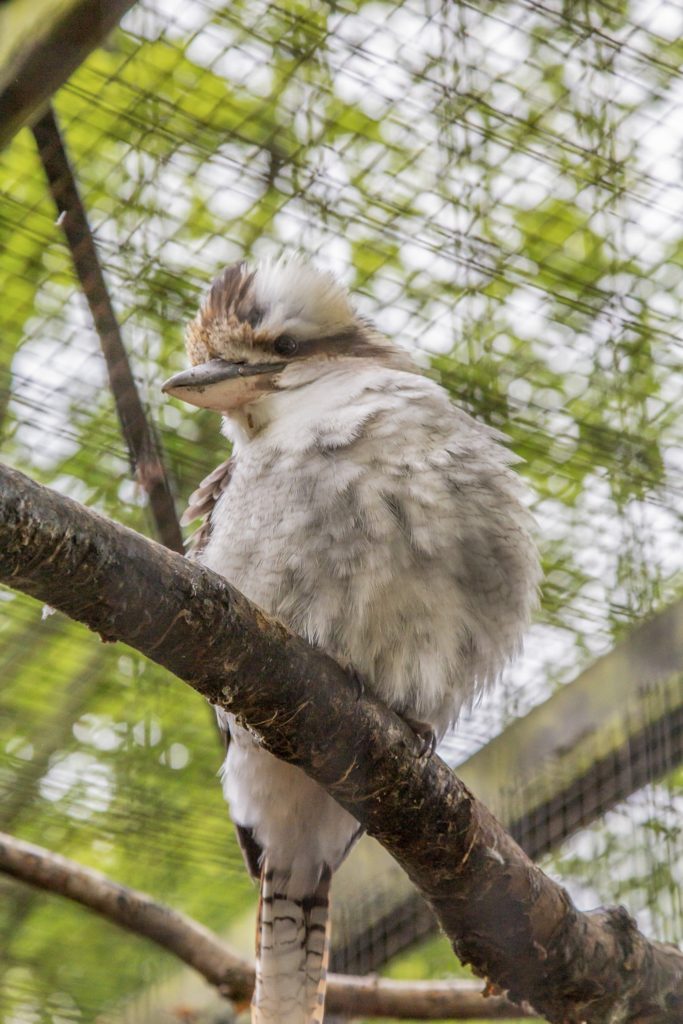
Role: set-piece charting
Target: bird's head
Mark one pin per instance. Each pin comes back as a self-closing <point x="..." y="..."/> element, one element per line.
<point x="273" y="328"/>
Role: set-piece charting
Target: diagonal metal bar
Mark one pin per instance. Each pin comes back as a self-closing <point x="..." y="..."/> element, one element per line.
<point x="565" y="776"/>
<point x="645" y="757"/>
<point x="143" y="446"/>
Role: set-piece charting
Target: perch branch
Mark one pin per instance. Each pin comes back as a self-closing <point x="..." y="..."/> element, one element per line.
<point x="515" y="926"/>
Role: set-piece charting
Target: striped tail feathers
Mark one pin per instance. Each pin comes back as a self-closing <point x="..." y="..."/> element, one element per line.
<point x="318" y="928"/>
<point x="292" y="951"/>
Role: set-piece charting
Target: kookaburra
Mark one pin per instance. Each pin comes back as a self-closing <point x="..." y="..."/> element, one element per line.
<point x="377" y="520"/>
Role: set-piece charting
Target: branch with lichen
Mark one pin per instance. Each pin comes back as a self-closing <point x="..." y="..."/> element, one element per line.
<point x="513" y="924"/>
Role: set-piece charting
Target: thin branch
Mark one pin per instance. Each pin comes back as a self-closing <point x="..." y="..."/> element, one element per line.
<point x="143" y="446"/>
<point x="201" y="949"/>
<point x="503" y="915"/>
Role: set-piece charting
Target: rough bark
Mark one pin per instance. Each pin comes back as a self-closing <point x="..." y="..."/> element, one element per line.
<point x="503" y="915"/>
<point x="201" y="949"/>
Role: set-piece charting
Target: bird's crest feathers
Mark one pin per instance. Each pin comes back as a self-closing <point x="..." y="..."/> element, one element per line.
<point x="251" y="306"/>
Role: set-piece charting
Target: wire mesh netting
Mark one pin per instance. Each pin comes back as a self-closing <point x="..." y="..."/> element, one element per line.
<point x="500" y="185"/>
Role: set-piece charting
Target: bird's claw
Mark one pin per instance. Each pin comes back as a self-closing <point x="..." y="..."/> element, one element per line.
<point x="357" y="680"/>
<point x="425" y="734"/>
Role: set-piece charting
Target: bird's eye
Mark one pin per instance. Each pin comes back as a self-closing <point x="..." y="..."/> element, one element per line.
<point x="285" y="345"/>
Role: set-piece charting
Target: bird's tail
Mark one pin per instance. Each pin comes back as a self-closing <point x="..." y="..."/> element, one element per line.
<point x="292" y="951"/>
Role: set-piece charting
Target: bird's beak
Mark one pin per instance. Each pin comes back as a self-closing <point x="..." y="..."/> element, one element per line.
<point x="221" y="385"/>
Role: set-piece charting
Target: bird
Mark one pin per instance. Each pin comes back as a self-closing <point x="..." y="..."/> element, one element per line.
<point x="377" y="520"/>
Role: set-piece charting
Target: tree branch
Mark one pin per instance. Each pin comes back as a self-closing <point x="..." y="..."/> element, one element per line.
<point x="143" y="445"/>
<point x="502" y="914"/>
<point x="201" y="949"/>
<point x="41" y="44"/>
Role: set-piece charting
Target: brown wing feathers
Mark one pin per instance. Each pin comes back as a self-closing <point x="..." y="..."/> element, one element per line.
<point x="201" y="505"/>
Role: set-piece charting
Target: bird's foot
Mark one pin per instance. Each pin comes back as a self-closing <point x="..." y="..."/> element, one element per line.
<point x="356" y="680"/>
<point x="425" y="734"/>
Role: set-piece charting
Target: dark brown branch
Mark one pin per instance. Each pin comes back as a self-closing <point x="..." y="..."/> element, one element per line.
<point x="502" y="914"/>
<point x="143" y="447"/>
<point x="201" y="949"/>
<point x="44" y="56"/>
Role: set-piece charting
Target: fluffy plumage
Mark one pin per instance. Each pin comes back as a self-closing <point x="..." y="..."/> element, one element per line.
<point x="378" y="521"/>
